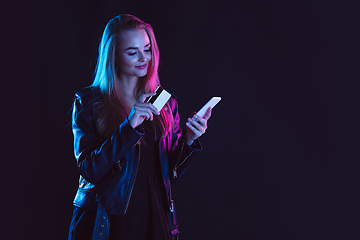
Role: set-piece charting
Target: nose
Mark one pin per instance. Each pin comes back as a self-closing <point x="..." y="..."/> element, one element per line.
<point x="142" y="57"/>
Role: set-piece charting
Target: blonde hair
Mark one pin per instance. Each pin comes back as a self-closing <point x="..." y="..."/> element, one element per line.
<point x="114" y="109"/>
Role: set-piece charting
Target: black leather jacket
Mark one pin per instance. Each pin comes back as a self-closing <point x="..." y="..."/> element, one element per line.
<point x="108" y="167"/>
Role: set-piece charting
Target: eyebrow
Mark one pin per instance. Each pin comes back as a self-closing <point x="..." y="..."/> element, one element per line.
<point x="135" y="48"/>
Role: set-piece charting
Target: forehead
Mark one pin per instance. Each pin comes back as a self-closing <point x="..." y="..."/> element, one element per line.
<point x="133" y="38"/>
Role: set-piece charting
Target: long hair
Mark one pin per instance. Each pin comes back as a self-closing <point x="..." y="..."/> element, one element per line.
<point x="113" y="108"/>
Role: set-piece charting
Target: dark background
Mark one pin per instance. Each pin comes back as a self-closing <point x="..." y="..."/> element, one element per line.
<point x="280" y="158"/>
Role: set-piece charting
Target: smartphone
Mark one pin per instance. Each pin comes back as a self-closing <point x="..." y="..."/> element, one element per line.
<point x="211" y="103"/>
<point x="160" y="99"/>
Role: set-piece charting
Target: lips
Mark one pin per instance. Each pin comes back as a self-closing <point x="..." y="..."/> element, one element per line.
<point x="141" y="66"/>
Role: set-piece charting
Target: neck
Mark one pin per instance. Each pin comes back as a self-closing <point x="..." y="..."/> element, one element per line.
<point x="128" y="86"/>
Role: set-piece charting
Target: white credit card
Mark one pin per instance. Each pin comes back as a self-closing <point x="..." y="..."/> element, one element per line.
<point x="211" y="103"/>
<point x="160" y="99"/>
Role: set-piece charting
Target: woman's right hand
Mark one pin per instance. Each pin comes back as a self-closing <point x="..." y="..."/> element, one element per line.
<point x="142" y="110"/>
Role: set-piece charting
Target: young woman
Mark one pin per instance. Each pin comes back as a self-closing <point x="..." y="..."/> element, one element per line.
<point x="127" y="151"/>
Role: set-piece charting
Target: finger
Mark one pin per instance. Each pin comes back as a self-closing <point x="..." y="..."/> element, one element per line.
<point x="150" y="114"/>
<point x="145" y="95"/>
<point x="141" y="110"/>
<point x="207" y="114"/>
<point x="154" y="109"/>
<point x="193" y="129"/>
<point x="147" y="113"/>
<point x="148" y="106"/>
<point x="195" y="133"/>
<point x="200" y="120"/>
<point x="196" y="125"/>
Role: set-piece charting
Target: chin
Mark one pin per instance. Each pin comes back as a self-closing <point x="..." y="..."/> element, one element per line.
<point x="142" y="74"/>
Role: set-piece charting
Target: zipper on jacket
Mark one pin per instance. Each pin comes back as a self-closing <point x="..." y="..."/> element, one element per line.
<point x="171" y="205"/>
<point x="132" y="187"/>
<point x="176" y="165"/>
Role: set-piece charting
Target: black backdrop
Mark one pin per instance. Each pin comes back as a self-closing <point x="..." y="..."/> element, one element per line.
<point x="280" y="158"/>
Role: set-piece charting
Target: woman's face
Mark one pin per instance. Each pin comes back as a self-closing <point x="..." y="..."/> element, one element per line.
<point x="133" y="54"/>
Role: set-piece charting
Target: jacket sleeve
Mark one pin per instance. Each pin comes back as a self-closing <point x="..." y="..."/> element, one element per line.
<point x="95" y="157"/>
<point x="181" y="153"/>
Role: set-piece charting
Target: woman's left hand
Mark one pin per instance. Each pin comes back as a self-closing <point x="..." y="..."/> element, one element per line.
<point x="196" y="126"/>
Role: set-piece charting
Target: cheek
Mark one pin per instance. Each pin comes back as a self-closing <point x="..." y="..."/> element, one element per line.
<point x="148" y="56"/>
<point x="126" y="65"/>
<point x="128" y="61"/>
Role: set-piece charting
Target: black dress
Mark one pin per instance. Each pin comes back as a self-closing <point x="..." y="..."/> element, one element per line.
<point x="147" y="216"/>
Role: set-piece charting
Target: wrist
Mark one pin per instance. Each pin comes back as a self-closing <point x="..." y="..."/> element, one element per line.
<point x="188" y="142"/>
<point x="130" y="123"/>
<point x="187" y="138"/>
